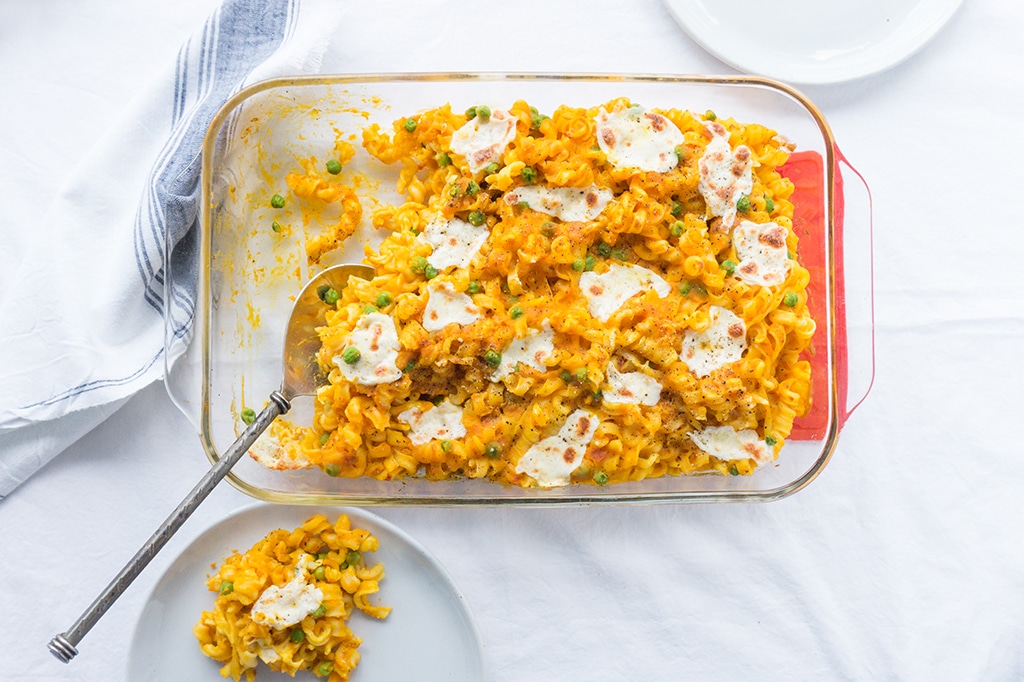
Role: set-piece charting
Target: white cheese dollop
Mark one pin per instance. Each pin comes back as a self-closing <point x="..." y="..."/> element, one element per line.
<point x="631" y="388"/>
<point x="725" y="442"/>
<point x="725" y="174"/>
<point x="608" y="291"/>
<point x="531" y="350"/>
<point x="270" y="453"/>
<point x="437" y="423"/>
<point x="761" y="249"/>
<point x="637" y="138"/>
<point x="376" y="339"/>
<point x="445" y="306"/>
<point x="722" y="343"/>
<point x="572" y="204"/>
<point x="551" y="461"/>
<point x="455" y="242"/>
<point x="483" y="140"/>
<point x="284" y="606"/>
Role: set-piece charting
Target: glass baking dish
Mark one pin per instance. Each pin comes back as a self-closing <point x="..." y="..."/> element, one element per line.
<point x="245" y="281"/>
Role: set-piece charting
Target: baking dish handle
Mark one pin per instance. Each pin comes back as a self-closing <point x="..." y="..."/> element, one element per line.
<point x="854" y="289"/>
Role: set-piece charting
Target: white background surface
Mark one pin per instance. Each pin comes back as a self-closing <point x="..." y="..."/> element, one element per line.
<point x="899" y="562"/>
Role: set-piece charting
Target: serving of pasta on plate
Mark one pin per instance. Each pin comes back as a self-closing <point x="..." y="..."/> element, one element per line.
<point x="583" y="296"/>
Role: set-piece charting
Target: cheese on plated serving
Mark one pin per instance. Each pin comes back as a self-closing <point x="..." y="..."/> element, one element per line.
<point x="483" y="140"/>
<point x="608" y="291"/>
<point x="637" y="138"/>
<point x="725" y="442"/>
<point x="284" y="606"/>
<point x="446" y="306"/>
<point x="531" y="350"/>
<point x="762" y="252"/>
<point x="376" y="339"/>
<point x="436" y="423"/>
<point x="725" y="174"/>
<point x="269" y="452"/>
<point x="631" y="388"/>
<point x="455" y="242"/>
<point x="722" y="343"/>
<point x="551" y="461"/>
<point x="572" y="204"/>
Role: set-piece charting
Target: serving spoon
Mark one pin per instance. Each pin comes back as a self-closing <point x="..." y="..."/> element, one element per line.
<point x="302" y="376"/>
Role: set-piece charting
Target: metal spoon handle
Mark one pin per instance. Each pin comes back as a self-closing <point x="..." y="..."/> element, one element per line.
<point x="63" y="645"/>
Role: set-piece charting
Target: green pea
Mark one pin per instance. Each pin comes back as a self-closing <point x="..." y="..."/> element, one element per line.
<point x="331" y="470"/>
<point x="589" y="264"/>
<point x="769" y="205"/>
<point x="353" y="557"/>
<point x="330" y="296"/>
<point x="383" y="299"/>
<point x="227" y="587"/>
<point x="472" y="188"/>
<point x="743" y="204"/>
<point x="446" y="446"/>
<point x="677" y="228"/>
<point x="729" y="265"/>
<point x="493" y="450"/>
<point x="515" y="312"/>
<point x="579" y="264"/>
<point x="333" y="166"/>
<point x="471" y="113"/>
<point x="319" y="573"/>
<point x="710" y="115"/>
<point x="733" y="471"/>
<point x="790" y="299"/>
<point x="680" y="152"/>
<point x="492" y="168"/>
<point x="351" y="355"/>
<point x="566" y="376"/>
<point x="581" y="374"/>
<point x="684" y="288"/>
<point x="324" y="437"/>
<point x="528" y="175"/>
<point x="620" y="254"/>
<point x="325" y="669"/>
<point x="483" y="111"/>
<point x="598" y="395"/>
<point x="473" y="288"/>
<point x="536" y="118"/>
<point x="370" y="308"/>
<point x="410" y="125"/>
<point x="277" y="201"/>
<point x="770" y="439"/>
<point x="248" y="415"/>
<point x="275" y="226"/>
<point x="600" y="478"/>
<point x="321" y="554"/>
<point x="476" y="218"/>
<point x="604" y="249"/>
<point x="444" y="160"/>
<point x="320" y="612"/>
<point x="410" y="366"/>
<point x="677" y="209"/>
<point x="419" y="265"/>
<point x="492" y="358"/>
<point x="430" y="272"/>
<point x="298" y="635"/>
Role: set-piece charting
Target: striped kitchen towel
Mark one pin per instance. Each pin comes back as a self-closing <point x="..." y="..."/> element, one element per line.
<point x="65" y="367"/>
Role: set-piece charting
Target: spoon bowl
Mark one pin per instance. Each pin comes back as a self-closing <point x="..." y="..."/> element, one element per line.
<point x="302" y="376"/>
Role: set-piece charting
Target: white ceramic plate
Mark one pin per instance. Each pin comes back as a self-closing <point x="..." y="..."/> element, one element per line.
<point x="429" y="635"/>
<point x="812" y="41"/>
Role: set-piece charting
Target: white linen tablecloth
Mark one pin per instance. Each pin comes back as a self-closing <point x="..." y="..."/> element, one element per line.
<point x="898" y="562"/>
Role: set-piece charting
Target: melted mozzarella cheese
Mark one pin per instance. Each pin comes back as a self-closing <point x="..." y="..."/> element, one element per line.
<point x="531" y="350"/>
<point x="608" y="291"/>
<point x="551" y="461"/>
<point x="483" y="140"/>
<point x="725" y="174"/>
<point x="725" y="442"/>
<point x="631" y="388"/>
<point x="573" y="204"/>
<point x="764" y="258"/>
<point x="436" y="423"/>
<point x="284" y="606"/>
<point x="455" y="242"/>
<point x="446" y="306"/>
<point x="637" y="138"/>
<point x="269" y="452"/>
<point x="722" y="343"/>
<point x="376" y="339"/>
